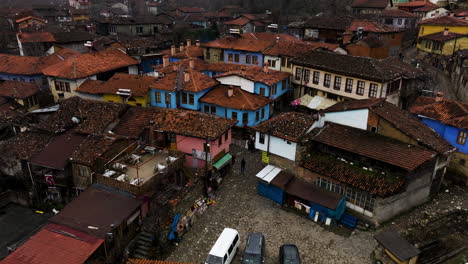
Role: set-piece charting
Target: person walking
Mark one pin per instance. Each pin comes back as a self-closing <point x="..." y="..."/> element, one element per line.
<point x="242" y="166"/>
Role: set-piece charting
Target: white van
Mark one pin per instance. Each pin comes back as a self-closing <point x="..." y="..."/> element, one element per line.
<point x="225" y="248"/>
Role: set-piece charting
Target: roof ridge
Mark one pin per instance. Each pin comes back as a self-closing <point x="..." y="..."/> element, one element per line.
<point x="246" y="99"/>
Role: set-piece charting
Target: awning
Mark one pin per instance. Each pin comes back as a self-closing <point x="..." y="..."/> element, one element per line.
<point x="268" y="173"/>
<point x="223" y="161"/>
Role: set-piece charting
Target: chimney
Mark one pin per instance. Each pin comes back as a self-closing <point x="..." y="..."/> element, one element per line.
<point x="265" y="67"/>
<point x="175" y="68"/>
<point x="192" y="64"/>
<point x="173" y="50"/>
<point x="197" y="43"/>
<point x="189" y="42"/>
<point x="165" y="61"/>
<point x="182" y="48"/>
<point x="452" y="14"/>
<point x="186" y="76"/>
<point x="439" y="97"/>
<point x="230" y="91"/>
<point x="446" y="32"/>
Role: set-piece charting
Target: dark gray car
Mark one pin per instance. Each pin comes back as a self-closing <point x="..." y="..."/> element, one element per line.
<point x="289" y="254"/>
<point x="254" y="250"/>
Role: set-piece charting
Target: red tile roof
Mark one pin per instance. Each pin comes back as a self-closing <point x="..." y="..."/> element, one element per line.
<point x="26" y="144"/>
<point x="201" y="65"/>
<point x="397" y="13"/>
<point x="33" y="37"/>
<point x="444" y="21"/>
<point x="197" y="81"/>
<point x="88" y="64"/>
<point x="241" y="21"/>
<point x="373" y="182"/>
<point x="447" y="111"/>
<point x="442" y="36"/>
<point x="191" y="9"/>
<point x="400" y="119"/>
<point x="372" y="26"/>
<point x="91" y="87"/>
<point x="100" y="207"/>
<point x="426" y="8"/>
<point x="257" y="74"/>
<point x="236" y="43"/>
<point x="240" y="100"/>
<point x="30" y="17"/>
<point x="371" y="3"/>
<point x="288" y="125"/>
<point x="267" y="36"/>
<point x="192" y="51"/>
<point x="182" y="122"/>
<point x="55" y="244"/>
<point x="16" y="89"/>
<point x="293" y="49"/>
<point x="373" y="146"/>
<point x="26" y="65"/>
<point x="138" y="84"/>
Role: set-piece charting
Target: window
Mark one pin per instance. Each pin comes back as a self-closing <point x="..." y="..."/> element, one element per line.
<point x="337" y="83"/>
<point x="191" y="99"/>
<point x="257" y="116"/>
<point x="262" y="113"/>
<point x="373" y="90"/>
<point x="461" y="139"/>
<point x="261" y="138"/>
<point x="62" y="86"/>
<point x="360" y="88"/>
<point x="262" y="91"/>
<point x="139" y="29"/>
<point x="157" y="97"/>
<point x="462" y="162"/>
<point x="220" y="140"/>
<point x="428" y="44"/>
<point x="437" y="46"/>
<point x="248" y="59"/>
<point x="316" y="78"/>
<point x="326" y="81"/>
<point x="349" y="85"/>
<point x="272" y="63"/>
<point x="283" y="62"/>
<point x="245" y="118"/>
<point x="399" y="21"/>
<point x="208" y="55"/>
<point x="235" y="240"/>
<point x="226" y="136"/>
<point x="184" y="98"/>
<point x="288" y="64"/>
<point x="168" y="99"/>
<point x="254" y="60"/>
<point x="306" y="76"/>
<point x="234" y="116"/>
<point x="230" y="57"/>
<point x="298" y="74"/>
<point x="112" y="29"/>
<point x="273" y="89"/>
<point x="236" y="57"/>
<point x="393" y="87"/>
<point x="288" y="142"/>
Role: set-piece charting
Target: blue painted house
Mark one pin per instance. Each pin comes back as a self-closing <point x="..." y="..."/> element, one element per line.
<point x="181" y="88"/>
<point x="234" y="103"/>
<point x="257" y="80"/>
<point x="449" y="119"/>
<point x="21" y="68"/>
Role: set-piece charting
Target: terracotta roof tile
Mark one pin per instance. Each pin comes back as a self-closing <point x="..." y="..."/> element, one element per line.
<point x="30" y="17"/>
<point x="290" y="125"/>
<point x="400" y="119"/>
<point x="197" y="81"/>
<point x="192" y="51"/>
<point x="241" y="99"/>
<point x="94" y="116"/>
<point x="33" y="37"/>
<point x="372" y="26"/>
<point x="447" y="111"/>
<point x="373" y="182"/>
<point x="336" y="23"/>
<point x="397" y="13"/>
<point x="94" y="146"/>
<point x="426" y="8"/>
<point x="236" y="43"/>
<point x="293" y="49"/>
<point x="373" y="146"/>
<point x="16" y="89"/>
<point x="444" y="21"/>
<point x="183" y="122"/>
<point x="26" y="144"/>
<point x="416" y="3"/>
<point x="442" y="36"/>
<point x="370" y="3"/>
<point x="241" y="21"/>
<point x="91" y="87"/>
<point x="257" y="74"/>
<point x="201" y="65"/>
<point x="138" y="84"/>
<point x="273" y="37"/>
<point x="191" y="9"/>
<point x="55" y="244"/>
<point x="88" y="64"/>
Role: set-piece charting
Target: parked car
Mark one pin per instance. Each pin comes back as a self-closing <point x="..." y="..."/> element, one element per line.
<point x="254" y="249"/>
<point x="289" y="254"/>
<point x="225" y="248"/>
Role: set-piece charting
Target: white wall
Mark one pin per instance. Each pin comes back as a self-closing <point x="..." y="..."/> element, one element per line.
<point x="352" y="118"/>
<point x="133" y="69"/>
<point x="436" y="13"/>
<point x="278" y="146"/>
<point x="245" y="84"/>
<point x="273" y="58"/>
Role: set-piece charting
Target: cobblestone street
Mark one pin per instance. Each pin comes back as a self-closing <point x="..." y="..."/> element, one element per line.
<point x="240" y="207"/>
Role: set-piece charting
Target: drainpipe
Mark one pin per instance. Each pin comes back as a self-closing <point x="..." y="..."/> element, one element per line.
<point x="32" y="180"/>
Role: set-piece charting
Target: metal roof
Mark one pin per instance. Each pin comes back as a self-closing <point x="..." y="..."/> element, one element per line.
<point x="268" y="173"/>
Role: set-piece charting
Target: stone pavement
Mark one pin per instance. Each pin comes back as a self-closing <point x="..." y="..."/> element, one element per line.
<point x="240" y="207"/>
